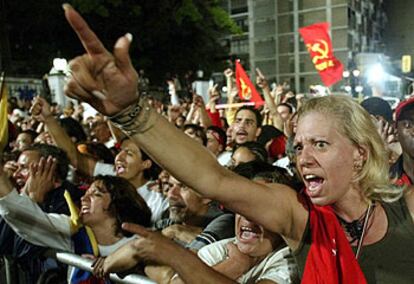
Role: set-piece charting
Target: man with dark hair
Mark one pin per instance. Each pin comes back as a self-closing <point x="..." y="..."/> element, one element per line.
<point x="247" y="124"/>
<point x="24" y="139"/>
<point x="403" y="168"/>
<point x="49" y="195"/>
<point x="194" y="220"/>
<point x="101" y="133"/>
<point x="196" y="132"/>
<point x="284" y="110"/>
<point x="216" y="140"/>
<point x="245" y="128"/>
<point x="74" y="129"/>
<point x="378" y="107"/>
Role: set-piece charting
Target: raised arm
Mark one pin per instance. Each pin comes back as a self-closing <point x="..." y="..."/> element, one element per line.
<point x="30" y="222"/>
<point x="270" y="102"/>
<point x="275" y="209"/>
<point x="41" y="111"/>
<point x="152" y="247"/>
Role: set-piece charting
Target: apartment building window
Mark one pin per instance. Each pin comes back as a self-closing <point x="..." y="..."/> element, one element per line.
<point x="350" y="42"/>
<point x="337" y="2"/>
<point x="285" y="23"/>
<point x="243" y="23"/>
<point x="340" y="38"/>
<point x="284" y="6"/>
<point x="301" y="20"/>
<point x="292" y="64"/>
<point x="240" y="45"/>
<point x="352" y="19"/>
<point x="286" y="64"/>
<point x="310" y="18"/>
<point x="302" y="84"/>
<point x="238" y="6"/>
<point x="340" y="17"/>
<point x="311" y="4"/>
<point x="286" y="44"/>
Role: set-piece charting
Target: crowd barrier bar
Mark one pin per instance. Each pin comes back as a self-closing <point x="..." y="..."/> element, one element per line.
<point x="236" y="105"/>
<point x="85" y="264"/>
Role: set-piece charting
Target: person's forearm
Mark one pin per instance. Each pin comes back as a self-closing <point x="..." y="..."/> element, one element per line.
<point x="81" y="162"/>
<point x="30" y="222"/>
<point x="277" y="121"/>
<point x="230" y="268"/>
<point x="190" y="115"/>
<point x="122" y="259"/>
<point x="205" y="118"/>
<point x="186" y="263"/>
<point x="269" y="100"/>
<point x="161" y="136"/>
<point x="5" y="185"/>
<point x="174" y="98"/>
<point x="117" y="134"/>
<point x="62" y="139"/>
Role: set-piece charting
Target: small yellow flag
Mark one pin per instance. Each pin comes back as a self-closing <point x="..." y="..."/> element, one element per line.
<point x="406" y="64"/>
<point x="4" y="126"/>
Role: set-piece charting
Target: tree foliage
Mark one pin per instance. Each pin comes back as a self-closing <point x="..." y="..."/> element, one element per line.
<point x="169" y="35"/>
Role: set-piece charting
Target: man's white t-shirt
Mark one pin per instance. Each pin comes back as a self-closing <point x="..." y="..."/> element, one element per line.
<point x="224" y="158"/>
<point x="278" y="266"/>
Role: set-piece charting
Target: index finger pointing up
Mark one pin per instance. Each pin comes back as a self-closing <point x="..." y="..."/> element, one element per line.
<point x="259" y="73"/>
<point x="90" y="41"/>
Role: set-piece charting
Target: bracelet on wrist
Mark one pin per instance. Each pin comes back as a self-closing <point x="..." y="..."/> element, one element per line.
<point x="134" y="119"/>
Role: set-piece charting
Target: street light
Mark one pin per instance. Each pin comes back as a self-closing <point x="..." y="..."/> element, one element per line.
<point x="359" y="89"/>
<point x="352" y="80"/>
<point x="56" y="80"/>
<point x="348" y="89"/>
<point x="376" y="73"/>
<point x="356" y="73"/>
<point x="60" y="64"/>
<point x="346" y="74"/>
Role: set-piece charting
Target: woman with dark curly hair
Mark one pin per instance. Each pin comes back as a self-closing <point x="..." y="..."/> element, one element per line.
<point x="93" y="229"/>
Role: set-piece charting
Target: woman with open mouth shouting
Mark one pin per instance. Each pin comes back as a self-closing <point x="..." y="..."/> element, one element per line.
<point x="349" y="225"/>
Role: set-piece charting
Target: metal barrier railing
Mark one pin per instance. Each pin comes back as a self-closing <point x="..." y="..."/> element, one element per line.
<point x="85" y="264"/>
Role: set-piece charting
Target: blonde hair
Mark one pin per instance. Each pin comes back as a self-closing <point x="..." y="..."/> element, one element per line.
<point x="355" y="123"/>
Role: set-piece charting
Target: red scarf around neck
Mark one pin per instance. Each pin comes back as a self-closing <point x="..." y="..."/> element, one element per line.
<point x="330" y="259"/>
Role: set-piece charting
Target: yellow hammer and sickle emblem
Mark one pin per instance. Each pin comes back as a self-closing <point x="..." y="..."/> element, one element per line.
<point x="321" y="48"/>
<point x="245" y="90"/>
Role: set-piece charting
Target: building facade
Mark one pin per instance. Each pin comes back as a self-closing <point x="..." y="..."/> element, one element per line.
<point x="271" y="40"/>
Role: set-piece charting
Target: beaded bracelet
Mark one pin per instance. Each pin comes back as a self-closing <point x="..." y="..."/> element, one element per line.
<point x="134" y="118"/>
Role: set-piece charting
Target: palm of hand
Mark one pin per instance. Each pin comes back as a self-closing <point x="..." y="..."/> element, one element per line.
<point x="106" y="81"/>
<point x="101" y="74"/>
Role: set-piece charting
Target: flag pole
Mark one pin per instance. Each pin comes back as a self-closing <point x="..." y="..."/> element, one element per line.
<point x="2" y="79"/>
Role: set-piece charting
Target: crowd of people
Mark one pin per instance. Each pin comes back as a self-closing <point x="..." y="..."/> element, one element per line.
<point x="304" y="189"/>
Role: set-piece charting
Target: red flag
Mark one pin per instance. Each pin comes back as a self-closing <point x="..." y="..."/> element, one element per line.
<point x="319" y="45"/>
<point x="247" y="91"/>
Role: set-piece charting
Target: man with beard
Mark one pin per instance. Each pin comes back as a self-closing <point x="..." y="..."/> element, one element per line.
<point x="194" y="221"/>
<point x="403" y="168"/>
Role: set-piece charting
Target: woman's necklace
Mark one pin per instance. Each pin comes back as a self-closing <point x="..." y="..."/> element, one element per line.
<point x="357" y="229"/>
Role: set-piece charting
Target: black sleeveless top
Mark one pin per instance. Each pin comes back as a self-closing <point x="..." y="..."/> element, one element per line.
<point x="391" y="260"/>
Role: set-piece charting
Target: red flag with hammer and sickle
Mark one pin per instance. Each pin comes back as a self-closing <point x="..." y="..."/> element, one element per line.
<point x="247" y="91"/>
<point x="319" y="45"/>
